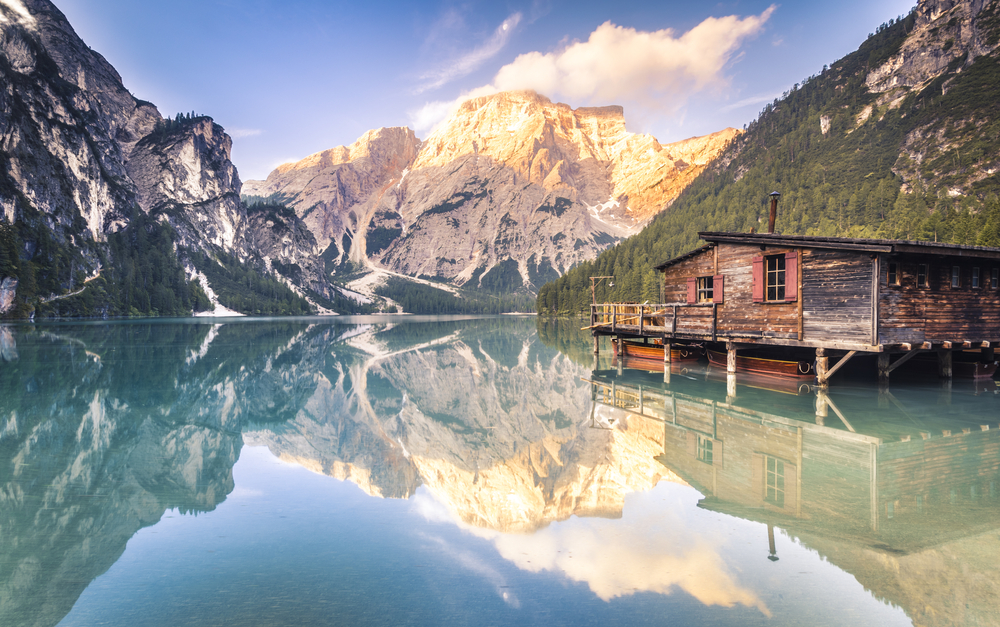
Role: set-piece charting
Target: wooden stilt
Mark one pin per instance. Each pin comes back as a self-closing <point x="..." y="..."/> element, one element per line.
<point x="597" y="344"/>
<point x="944" y="364"/>
<point x="989" y="355"/>
<point x="666" y="351"/>
<point x="731" y="388"/>
<point x="822" y="368"/>
<point x="730" y="358"/>
<point x="883" y="368"/>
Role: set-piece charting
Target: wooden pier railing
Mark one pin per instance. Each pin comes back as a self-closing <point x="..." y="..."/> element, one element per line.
<point x="670" y="318"/>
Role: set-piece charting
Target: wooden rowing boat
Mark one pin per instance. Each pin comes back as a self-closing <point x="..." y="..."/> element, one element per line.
<point x="638" y="350"/>
<point x="764" y="366"/>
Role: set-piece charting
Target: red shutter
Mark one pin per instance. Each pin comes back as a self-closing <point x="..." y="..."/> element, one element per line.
<point x="692" y="290"/>
<point x="692" y="443"/>
<point x="791" y="276"/>
<point x="756" y="478"/>
<point x="717" y="282"/>
<point x="758" y="279"/>
<point x="717" y="453"/>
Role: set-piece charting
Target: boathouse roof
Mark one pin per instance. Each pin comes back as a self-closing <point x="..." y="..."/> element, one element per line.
<point x="838" y="243"/>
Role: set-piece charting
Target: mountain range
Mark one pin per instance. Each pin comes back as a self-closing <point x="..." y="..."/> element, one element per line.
<point x="111" y="209"/>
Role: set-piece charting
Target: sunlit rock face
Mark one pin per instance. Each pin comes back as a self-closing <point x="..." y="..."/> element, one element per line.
<point x="508" y="179"/>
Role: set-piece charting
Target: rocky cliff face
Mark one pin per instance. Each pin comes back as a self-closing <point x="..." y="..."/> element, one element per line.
<point x="79" y="154"/>
<point x="947" y="39"/>
<point x="511" y="183"/>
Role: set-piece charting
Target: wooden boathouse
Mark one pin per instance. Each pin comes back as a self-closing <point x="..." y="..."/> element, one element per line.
<point x="836" y="296"/>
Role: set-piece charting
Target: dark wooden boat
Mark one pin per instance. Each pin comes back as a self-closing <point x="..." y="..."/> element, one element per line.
<point x="763" y="366"/>
<point x="638" y="350"/>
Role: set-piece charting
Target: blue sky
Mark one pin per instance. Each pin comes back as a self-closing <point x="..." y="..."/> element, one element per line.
<point x="290" y="78"/>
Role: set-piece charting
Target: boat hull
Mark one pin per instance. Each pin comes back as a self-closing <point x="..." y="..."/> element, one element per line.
<point x="786" y="369"/>
<point x="637" y="350"/>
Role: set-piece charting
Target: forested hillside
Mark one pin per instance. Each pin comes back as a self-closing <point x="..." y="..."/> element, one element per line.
<point x="847" y="163"/>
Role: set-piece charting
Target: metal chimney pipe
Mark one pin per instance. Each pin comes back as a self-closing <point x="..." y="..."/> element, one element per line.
<point x="774" y="211"/>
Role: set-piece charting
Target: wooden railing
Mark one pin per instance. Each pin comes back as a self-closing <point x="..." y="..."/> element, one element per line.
<point x="663" y="318"/>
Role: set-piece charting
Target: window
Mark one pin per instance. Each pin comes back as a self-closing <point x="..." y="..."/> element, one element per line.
<point x="704" y="449"/>
<point x="893" y="276"/>
<point x="995" y="278"/>
<point x="774" y="481"/>
<point x="956" y="276"/>
<point x="922" y="275"/>
<point x="705" y="291"/>
<point x="775" y="277"/>
<point x="975" y="279"/>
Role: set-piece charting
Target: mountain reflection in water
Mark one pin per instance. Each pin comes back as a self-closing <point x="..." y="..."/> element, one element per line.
<point x="504" y="429"/>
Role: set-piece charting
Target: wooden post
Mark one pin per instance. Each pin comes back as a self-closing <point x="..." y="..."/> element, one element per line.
<point x="642" y="314"/>
<point x="822" y="368"/>
<point x="989" y="355"/>
<point x="593" y="314"/>
<point x="614" y="318"/>
<point x="597" y="344"/>
<point x="944" y="364"/>
<point x="621" y="347"/>
<point x="666" y="352"/>
<point x="730" y="388"/>
<point x="730" y="358"/>
<point x="883" y="368"/>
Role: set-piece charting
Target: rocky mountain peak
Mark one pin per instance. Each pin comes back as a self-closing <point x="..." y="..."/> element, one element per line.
<point x="944" y="32"/>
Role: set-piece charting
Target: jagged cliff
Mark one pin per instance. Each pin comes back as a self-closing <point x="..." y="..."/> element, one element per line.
<point x="512" y="184"/>
<point x="80" y="158"/>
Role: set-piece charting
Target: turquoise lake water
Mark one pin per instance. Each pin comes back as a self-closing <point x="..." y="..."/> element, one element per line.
<point x="433" y="471"/>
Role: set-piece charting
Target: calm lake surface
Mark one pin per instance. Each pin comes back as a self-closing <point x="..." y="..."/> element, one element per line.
<point x="428" y="471"/>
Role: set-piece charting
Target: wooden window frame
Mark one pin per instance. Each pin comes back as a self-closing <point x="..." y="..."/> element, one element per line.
<point x="956" y="277"/>
<point x="892" y="274"/>
<point x="977" y="280"/>
<point x="775" y="279"/>
<point x="923" y="275"/>
<point x="994" y="278"/>
<point x="761" y="277"/>
<point x="697" y="293"/>
<point x="705" y="289"/>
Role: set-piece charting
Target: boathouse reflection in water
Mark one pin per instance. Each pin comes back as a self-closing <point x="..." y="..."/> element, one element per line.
<point x="905" y="497"/>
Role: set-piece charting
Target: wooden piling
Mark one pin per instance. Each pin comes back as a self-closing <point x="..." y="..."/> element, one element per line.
<point x="883" y="368"/>
<point x="730" y="357"/>
<point x="822" y="368"/>
<point x="944" y="364"/>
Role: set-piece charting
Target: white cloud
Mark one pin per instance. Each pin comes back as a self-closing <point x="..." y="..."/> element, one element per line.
<point x="622" y="63"/>
<point x="237" y="133"/>
<point x="468" y="62"/>
<point x="657" y="69"/>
